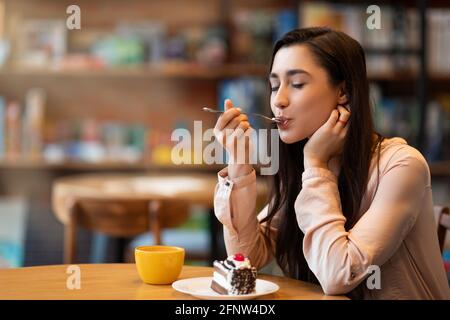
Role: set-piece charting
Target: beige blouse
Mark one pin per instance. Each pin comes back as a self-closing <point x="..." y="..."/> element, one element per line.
<point x="396" y="230"/>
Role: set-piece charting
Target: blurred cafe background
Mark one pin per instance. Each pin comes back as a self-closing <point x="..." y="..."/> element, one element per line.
<point x="103" y="101"/>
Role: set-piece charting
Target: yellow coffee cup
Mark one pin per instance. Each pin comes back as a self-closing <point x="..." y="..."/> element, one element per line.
<point x="159" y="264"/>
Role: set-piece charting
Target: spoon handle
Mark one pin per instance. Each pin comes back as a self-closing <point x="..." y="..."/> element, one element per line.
<point x="211" y="110"/>
<point x="253" y="114"/>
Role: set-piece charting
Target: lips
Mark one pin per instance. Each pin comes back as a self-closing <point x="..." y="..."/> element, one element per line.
<point x="282" y="121"/>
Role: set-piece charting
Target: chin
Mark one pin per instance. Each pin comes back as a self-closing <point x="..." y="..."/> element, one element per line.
<point x="290" y="138"/>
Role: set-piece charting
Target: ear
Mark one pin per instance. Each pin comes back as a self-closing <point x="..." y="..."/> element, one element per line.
<point x="342" y="95"/>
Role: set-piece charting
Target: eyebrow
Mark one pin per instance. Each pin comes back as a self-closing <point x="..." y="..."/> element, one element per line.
<point x="289" y="73"/>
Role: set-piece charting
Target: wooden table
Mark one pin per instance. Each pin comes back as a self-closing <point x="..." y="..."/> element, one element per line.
<point x="121" y="281"/>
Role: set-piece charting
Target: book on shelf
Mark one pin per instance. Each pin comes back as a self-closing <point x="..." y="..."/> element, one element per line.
<point x="13" y="225"/>
<point x="33" y="123"/>
<point x="439" y="40"/>
<point x="437" y="128"/>
<point x="285" y="20"/>
<point x="13" y="130"/>
<point x="21" y="129"/>
<point x="2" y="127"/>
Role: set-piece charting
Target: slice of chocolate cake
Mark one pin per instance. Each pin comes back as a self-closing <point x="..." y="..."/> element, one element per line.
<point x="234" y="276"/>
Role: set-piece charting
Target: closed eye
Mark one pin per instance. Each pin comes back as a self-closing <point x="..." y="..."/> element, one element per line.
<point x="295" y="85"/>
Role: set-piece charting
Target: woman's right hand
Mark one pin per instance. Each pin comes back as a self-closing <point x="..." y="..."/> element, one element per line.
<point x="230" y="130"/>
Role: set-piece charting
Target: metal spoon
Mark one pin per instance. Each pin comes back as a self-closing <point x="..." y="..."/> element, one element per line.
<point x="253" y="114"/>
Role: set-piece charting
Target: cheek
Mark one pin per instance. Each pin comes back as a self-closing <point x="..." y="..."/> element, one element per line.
<point x="313" y="111"/>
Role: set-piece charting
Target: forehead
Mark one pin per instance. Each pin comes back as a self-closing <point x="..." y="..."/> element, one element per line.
<point x="293" y="57"/>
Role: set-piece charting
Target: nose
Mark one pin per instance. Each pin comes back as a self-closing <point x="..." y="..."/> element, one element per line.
<point x="281" y="100"/>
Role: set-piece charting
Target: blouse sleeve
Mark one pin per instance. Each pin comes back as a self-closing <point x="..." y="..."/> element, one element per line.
<point x="339" y="258"/>
<point x="234" y="207"/>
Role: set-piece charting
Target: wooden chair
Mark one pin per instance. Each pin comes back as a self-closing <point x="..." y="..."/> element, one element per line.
<point x="442" y="215"/>
<point x="122" y="218"/>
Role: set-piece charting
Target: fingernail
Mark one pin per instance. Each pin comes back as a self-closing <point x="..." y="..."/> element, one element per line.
<point x="239" y="109"/>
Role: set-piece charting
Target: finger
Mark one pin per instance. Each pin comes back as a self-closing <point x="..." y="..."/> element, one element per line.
<point x="240" y="130"/>
<point x="343" y="118"/>
<point x="228" y="104"/>
<point x="344" y="114"/>
<point x="233" y="124"/>
<point x="243" y="117"/>
<point x="340" y="124"/>
<point x="334" y="116"/>
<point x="226" y="117"/>
<point x="240" y="133"/>
<point x="241" y="141"/>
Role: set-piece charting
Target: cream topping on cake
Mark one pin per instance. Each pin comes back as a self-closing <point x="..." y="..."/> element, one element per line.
<point x="233" y="262"/>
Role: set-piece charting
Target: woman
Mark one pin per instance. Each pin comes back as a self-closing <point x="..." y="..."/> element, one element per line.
<point x="345" y="199"/>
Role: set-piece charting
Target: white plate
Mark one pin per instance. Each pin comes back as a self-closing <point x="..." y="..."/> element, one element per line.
<point x="201" y="288"/>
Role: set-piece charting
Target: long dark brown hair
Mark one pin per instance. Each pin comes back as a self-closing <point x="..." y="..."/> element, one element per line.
<point x="343" y="59"/>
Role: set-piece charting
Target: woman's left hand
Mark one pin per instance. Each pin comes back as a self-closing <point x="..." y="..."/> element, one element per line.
<point x="328" y="140"/>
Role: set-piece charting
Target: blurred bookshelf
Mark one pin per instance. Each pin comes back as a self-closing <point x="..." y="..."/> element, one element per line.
<point x="136" y="71"/>
<point x="160" y="71"/>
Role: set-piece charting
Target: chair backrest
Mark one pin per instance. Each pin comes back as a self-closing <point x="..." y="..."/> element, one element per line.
<point x="126" y="218"/>
<point x="442" y="216"/>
